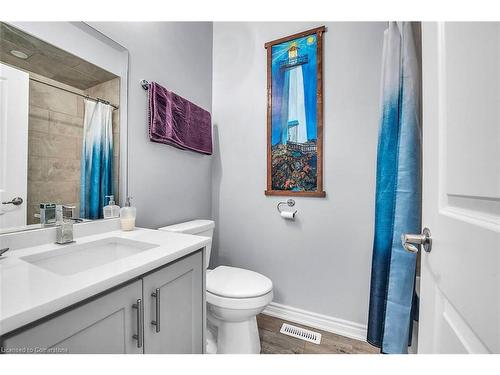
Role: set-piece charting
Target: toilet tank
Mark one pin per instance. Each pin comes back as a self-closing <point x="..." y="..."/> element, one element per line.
<point x="197" y="227"/>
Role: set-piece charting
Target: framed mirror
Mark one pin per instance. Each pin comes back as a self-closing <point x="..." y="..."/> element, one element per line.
<point x="63" y="124"/>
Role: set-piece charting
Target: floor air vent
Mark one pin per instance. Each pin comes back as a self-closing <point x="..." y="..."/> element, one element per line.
<point x="301" y="333"/>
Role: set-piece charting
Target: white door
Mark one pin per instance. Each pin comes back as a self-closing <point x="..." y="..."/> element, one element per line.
<point x="460" y="284"/>
<point x="14" y="101"/>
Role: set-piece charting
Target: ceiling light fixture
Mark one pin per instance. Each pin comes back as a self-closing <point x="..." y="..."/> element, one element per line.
<point x="19" y="54"/>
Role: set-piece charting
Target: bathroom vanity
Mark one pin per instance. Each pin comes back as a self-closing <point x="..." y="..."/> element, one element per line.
<point x="111" y="292"/>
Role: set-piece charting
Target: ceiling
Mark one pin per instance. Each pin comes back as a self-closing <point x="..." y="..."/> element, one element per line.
<point x="48" y="61"/>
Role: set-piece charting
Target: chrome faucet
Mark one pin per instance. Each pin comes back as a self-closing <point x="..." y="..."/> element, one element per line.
<point x="47" y="214"/>
<point x="69" y="212"/>
<point x="64" y="222"/>
<point x="64" y="232"/>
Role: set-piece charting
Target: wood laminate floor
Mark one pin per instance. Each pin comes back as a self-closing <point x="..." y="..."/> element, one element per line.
<point x="274" y="342"/>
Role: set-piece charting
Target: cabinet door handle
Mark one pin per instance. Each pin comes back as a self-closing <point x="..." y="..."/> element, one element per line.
<point x="140" y="328"/>
<point x="156" y="296"/>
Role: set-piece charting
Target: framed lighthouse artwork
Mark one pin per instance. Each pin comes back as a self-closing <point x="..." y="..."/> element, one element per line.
<point x="295" y="115"/>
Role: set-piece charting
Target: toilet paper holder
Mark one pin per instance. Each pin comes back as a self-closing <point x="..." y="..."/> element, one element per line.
<point x="289" y="203"/>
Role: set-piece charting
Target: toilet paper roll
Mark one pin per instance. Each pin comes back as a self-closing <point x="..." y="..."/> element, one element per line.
<point x="289" y="215"/>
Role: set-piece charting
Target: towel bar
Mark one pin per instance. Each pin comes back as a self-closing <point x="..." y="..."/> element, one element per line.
<point x="144" y="84"/>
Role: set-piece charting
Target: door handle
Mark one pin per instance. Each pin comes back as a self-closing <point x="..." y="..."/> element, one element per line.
<point x="156" y="322"/>
<point x="140" y="327"/>
<point x="411" y="242"/>
<point x="17" y="201"/>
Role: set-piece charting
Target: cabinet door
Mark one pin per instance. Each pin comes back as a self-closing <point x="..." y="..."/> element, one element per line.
<point x="180" y="307"/>
<point x="103" y="325"/>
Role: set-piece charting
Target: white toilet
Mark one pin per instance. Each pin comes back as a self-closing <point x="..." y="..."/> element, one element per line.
<point x="234" y="298"/>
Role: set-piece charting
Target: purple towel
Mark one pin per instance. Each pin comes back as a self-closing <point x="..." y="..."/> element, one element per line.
<point x="176" y="121"/>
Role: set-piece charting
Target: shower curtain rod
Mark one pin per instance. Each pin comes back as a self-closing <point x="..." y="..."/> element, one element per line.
<point x="98" y="100"/>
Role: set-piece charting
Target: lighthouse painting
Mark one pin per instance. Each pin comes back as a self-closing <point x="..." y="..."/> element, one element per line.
<point x="294" y="116"/>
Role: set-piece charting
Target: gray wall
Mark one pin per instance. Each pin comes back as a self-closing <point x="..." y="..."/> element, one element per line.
<point x="321" y="262"/>
<point x="168" y="185"/>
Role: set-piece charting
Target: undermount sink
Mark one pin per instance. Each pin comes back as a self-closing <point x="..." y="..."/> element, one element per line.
<point x="71" y="259"/>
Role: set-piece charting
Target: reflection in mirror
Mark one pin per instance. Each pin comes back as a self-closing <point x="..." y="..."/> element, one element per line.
<point x="59" y="133"/>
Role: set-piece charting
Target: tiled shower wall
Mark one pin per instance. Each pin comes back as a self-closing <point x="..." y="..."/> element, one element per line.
<point x="54" y="148"/>
<point x="55" y="143"/>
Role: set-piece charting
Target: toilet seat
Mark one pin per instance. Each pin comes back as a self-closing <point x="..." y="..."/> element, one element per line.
<point x="237" y="283"/>
<point x="240" y="303"/>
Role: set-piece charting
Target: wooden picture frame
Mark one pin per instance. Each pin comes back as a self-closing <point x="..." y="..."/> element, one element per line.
<point x="294" y="123"/>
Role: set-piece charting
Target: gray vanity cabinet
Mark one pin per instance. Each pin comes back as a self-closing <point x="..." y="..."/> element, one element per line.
<point x="120" y="321"/>
<point x="104" y="325"/>
<point x="173" y="307"/>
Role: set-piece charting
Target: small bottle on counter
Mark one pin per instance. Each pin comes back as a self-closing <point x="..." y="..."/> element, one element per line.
<point x="127" y="216"/>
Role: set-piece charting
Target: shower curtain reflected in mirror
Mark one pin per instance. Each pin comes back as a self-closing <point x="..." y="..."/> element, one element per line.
<point x="96" y="174"/>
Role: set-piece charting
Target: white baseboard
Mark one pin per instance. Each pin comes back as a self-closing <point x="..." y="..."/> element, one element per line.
<point x="326" y="323"/>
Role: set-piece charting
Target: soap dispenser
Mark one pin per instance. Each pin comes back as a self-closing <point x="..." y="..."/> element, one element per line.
<point x="111" y="210"/>
<point x="127" y="216"/>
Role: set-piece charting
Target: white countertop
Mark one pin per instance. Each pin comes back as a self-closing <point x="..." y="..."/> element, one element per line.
<point x="28" y="292"/>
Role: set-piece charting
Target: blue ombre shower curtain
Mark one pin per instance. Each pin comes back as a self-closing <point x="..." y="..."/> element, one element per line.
<point x="96" y="173"/>
<point x="398" y="193"/>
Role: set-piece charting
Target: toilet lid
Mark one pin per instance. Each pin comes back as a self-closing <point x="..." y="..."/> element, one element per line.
<point x="235" y="282"/>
